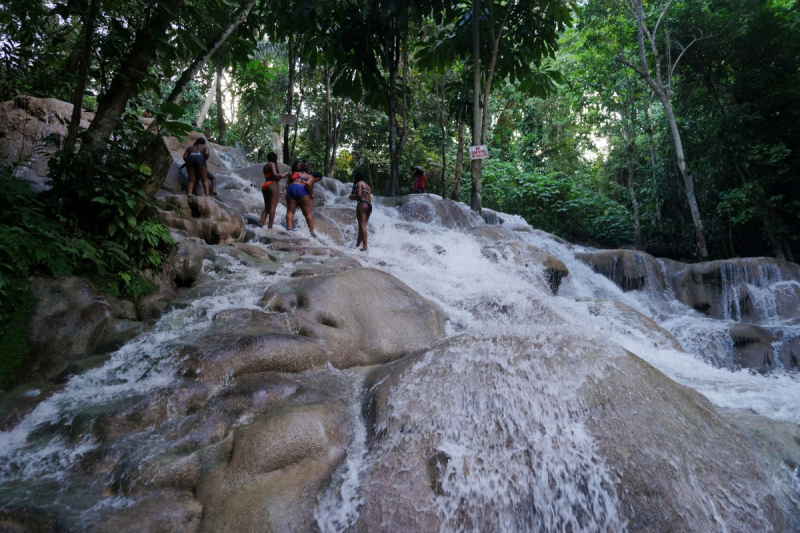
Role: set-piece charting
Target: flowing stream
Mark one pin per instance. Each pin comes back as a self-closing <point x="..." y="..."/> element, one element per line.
<point x="448" y="397"/>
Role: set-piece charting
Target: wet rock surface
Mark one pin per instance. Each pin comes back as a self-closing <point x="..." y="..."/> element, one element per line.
<point x="730" y="289"/>
<point x="752" y="347"/>
<point x="260" y="416"/>
<point x="203" y="217"/>
<point x="72" y="320"/>
<point x="630" y="270"/>
<point x="362" y="316"/>
<point x="657" y="465"/>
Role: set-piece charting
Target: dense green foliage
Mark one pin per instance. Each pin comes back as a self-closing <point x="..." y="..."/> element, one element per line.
<point x="580" y="144"/>
<point x="555" y="202"/>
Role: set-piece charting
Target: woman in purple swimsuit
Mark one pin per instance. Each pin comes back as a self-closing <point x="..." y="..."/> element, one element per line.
<point x="300" y="193"/>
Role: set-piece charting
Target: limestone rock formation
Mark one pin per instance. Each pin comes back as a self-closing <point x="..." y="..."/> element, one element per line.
<point x="362" y="316"/>
<point x="429" y="208"/>
<point x="662" y="444"/>
<point x="72" y="320"/>
<point x="752" y="347"/>
<point x="506" y="244"/>
<point x="34" y="128"/>
<point x="628" y="269"/>
<point x="203" y="217"/>
<point x="723" y="289"/>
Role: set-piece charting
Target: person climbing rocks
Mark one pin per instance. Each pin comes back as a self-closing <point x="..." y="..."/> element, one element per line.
<point x="362" y="194"/>
<point x="195" y="157"/>
<point x="212" y="179"/>
<point x="420" y="178"/>
<point x="270" y="188"/>
<point x="300" y="193"/>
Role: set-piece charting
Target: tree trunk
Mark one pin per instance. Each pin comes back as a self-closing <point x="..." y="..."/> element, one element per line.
<point x="475" y="197"/>
<point x="688" y="180"/>
<point x="209" y="98"/>
<point x="653" y="168"/>
<point x="459" y="163"/>
<point x="337" y="135"/>
<point x="444" y="138"/>
<point x="297" y="121"/>
<point x="663" y="96"/>
<point x="80" y="87"/>
<point x="220" y="110"/>
<point x="487" y="91"/>
<point x="294" y="46"/>
<point x="636" y="222"/>
<point x="326" y="77"/>
<point x="112" y="104"/>
<point x="157" y="156"/>
<point x="213" y="45"/>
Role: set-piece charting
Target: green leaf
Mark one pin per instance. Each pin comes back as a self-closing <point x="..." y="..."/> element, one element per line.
<point x="173" y="109"/>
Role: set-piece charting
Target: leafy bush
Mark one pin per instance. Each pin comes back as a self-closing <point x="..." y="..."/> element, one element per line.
<point x="556" y="203"/>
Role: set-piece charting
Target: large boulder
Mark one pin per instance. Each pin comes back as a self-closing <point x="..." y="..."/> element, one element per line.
<point x="529" y="257"/>
<point x="255" y="173"/>
<point x="231" y="156"/>
<point x="429" y="208"/>
<point x="789" y="354"/>
<point x="628" y="319"/>
<point x="278" y="466"/>
<point x="71" y="321"/>
<point x="203" y="217"/>
<point x="733" y="288"/>
<point x="601" y="442"/>
<point x="248" y="341"/>
<point x="504" y="244"/>
<point x="361" y="316"/>
<point x="334" y="221"/>
<point x="752" y="347"/>
<point x="628" y="269"/>
<point x="34" y="128"/>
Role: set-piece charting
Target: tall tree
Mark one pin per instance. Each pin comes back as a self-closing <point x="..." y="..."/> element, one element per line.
<point x="511" y="45"/>
<point x="209" y="50"/>
<point x="158" y="18"/>
<point x="654" y="78"/>
<point x="373" y="50"/>
<point x="223" y="128"/>
<point x="477" y="118"/>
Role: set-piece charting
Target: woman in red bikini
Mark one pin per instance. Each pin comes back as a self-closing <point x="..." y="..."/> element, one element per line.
<point x="270" y="188"/>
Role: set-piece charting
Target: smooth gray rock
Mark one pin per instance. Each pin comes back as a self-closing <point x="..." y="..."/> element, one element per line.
<point x="71" y="320"/>
<point x="752" y="347"/>
<point x="361" y="316"/>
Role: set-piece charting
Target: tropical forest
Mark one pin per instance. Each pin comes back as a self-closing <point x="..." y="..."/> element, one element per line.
<point x="399" y="265"/>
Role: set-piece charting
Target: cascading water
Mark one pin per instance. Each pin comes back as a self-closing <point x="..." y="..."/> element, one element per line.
<point x="509" y="444"/>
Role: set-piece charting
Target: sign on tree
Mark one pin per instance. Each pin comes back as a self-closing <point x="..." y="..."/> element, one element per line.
<point x="479" y="152"/>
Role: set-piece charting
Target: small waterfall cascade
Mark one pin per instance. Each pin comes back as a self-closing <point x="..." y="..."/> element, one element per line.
<point x="498" y="406"/>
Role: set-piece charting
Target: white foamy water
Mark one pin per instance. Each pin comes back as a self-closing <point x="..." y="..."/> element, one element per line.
<point x="535" y="466"/>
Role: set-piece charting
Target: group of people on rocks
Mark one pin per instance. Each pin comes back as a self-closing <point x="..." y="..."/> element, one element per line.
<point x="299" y="188"/>
<point x="300" y="193"/>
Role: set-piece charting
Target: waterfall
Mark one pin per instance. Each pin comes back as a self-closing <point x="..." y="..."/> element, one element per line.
<point x="492" y="406"/>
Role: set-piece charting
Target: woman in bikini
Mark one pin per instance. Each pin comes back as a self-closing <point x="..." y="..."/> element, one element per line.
<point x="270" y="188"/>
<point x="300" y="193"/>
<point x="362" y="194"/>
<point x="195" y="157"/>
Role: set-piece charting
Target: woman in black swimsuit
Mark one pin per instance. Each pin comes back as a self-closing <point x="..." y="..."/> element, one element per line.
<point x="362" y="194"/>
<point x="195" y="157"/>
